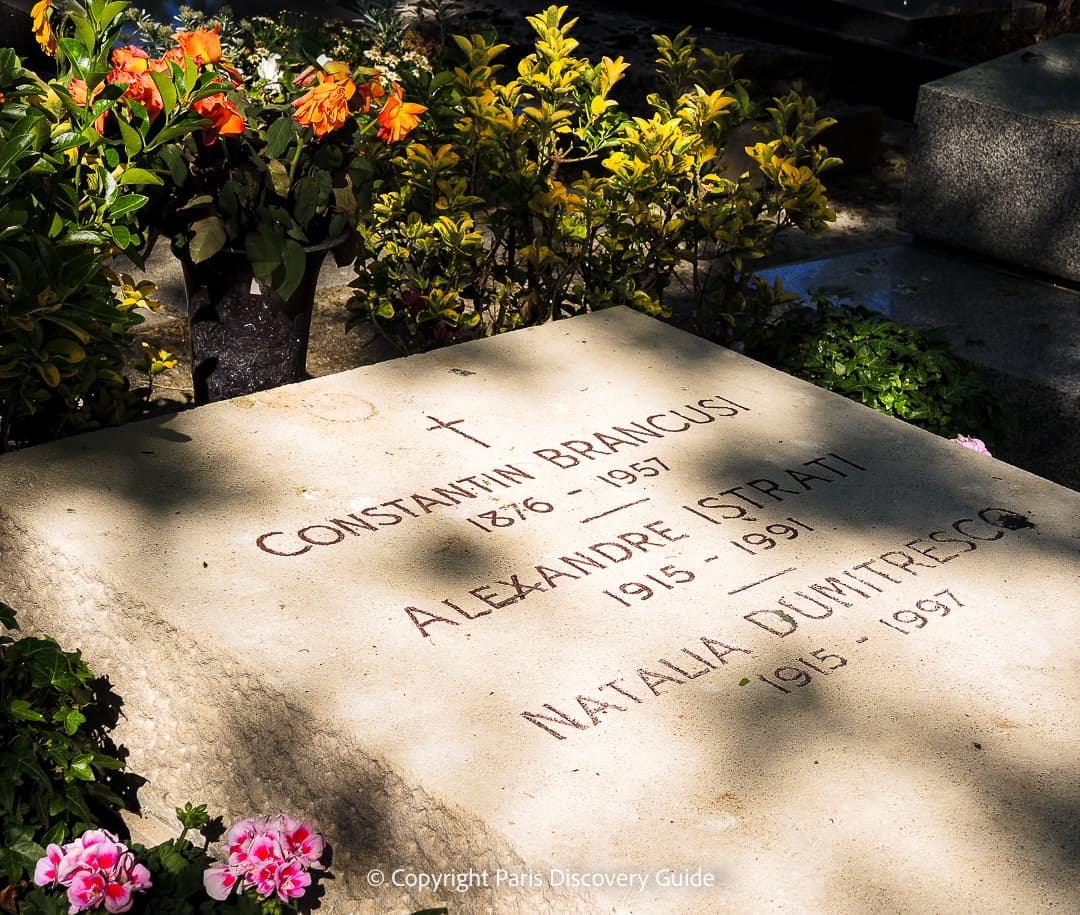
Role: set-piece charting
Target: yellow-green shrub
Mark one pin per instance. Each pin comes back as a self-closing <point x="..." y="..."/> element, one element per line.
<point x="537" y="198"/>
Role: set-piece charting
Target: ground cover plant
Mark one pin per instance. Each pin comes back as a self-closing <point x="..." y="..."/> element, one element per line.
<point x="898" y="370"/>
<point x="537" y="198"/>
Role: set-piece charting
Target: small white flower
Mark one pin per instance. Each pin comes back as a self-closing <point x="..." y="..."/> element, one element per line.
<point x="269" y="70"/>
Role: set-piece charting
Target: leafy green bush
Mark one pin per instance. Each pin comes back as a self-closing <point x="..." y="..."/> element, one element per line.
<point x="54" y="750"/>
<point x="75" y="158"/>
<point x="534" y="199"/>
<point x="910" y="374"/>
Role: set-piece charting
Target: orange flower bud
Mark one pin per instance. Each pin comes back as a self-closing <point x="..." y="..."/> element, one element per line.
<point x="203" y="45"/>
<point x="224" y="119"/>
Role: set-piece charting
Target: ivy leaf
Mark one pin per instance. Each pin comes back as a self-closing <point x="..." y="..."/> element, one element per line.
<point x="24" y="711"/>
<point x="79" y="768"/>
<point x="70" y="719"/>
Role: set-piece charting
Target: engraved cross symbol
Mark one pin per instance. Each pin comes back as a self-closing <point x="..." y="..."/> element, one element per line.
<point x="449" y="424"/>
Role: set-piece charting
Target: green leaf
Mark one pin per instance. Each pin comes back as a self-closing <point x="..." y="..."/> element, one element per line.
<point x="311" y="194"/>
<point x="278" y="136"/>
<point x="66" y="140"/>
<point x="168" y="133"/>
<point x="166" y="89"/>
<point x="78" y="56"/>
<point x="133" y="142"/>
<point x="82" y="237"/>
<point x="24" y="711"/>
<point x="208" y="238"/>
<point x="174" y="159"/>
<point x="122" y="236"/>
<point x="264" y="250"/>
<point x="112" y="10"/>
<point x="279" y="177"/>
<point x="138" y="176"/>
<point x="128" y="203"/>
<point x="84" y="32"/>
<point x="40" y="902"/>
<point x="295" y="266"/>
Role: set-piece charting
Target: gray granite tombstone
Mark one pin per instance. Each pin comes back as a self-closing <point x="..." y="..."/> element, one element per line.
<point x="995" y="165"/>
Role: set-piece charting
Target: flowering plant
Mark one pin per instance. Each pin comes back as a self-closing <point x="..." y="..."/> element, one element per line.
<point x="286" y="154"/>
<point x="96" y="870"/>
<point x="267" y="857"/>
<point x="80" y="161"/>
<point x="267" y="870"/>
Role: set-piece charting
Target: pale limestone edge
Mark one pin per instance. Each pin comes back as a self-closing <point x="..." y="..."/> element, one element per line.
<point x="202" y="727"/>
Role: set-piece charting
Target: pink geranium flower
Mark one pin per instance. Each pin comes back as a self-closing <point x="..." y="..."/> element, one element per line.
<point x="97" y="871"/>
<point x="45" y="873"/>
<point x="267" y="857"/>
<point x="218" y="881"/>
<point x="974" y="444"/>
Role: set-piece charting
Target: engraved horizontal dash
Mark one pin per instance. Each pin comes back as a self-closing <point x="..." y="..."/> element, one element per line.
<point x="762" y="581"/>
<point x="574" y="492"/>
<point x="711" y="558"/>
<point x="611" y="511"/>
<point x="860" y="641"/>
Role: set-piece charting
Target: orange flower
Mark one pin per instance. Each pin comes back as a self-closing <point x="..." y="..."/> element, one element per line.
<point x="131" y="58"/>
<point x="371" y="91"/>
<point x="140" y="86"/>
<point x="42" y="28"/>
<point x="77" y="90"/>
<point x="225" y="120"/>
<point x="325" y="107"/>
<point x="202" y="45"/>
<point x="397" y="117"/>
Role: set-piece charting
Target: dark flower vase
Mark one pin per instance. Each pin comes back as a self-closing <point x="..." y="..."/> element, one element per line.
<point x="243" y="340"/>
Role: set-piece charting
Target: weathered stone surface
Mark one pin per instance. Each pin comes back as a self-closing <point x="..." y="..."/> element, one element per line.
<point x="597" y="598"/>
<point x="995" y="163"/>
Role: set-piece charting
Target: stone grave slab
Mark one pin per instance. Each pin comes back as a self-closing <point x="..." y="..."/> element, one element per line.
<point x="994" y="163"/>
<point x="590" y="617"/>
